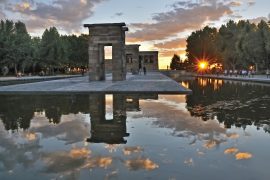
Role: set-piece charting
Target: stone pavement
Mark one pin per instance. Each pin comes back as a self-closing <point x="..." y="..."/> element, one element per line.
<point x="28" y="79"/>
<point x="14" y="78"/>
<point x="255" y="78"/>
<point x="153" y="82"/>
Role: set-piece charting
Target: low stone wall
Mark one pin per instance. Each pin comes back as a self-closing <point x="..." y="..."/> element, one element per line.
<point x="254" y="79"/>
<point x="33" y="79"/>
<point x="176" y="74"/>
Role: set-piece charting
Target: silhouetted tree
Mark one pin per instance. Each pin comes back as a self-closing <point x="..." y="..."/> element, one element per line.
<point x="175" y="62"/>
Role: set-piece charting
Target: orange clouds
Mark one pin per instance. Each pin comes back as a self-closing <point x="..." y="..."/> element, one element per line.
<point x="130" y="150"/>
<point x="173" y="44"/>
<point x="137" y="164"/>
<point x="238" y="155"/>
<point x="210" y="144"/>
<point x="61" y="13"/>
<point x="79" y="153"/>
<point x="231" y="151"/>
<point x="22" y="6"/>
<point x="243" y="155"/>
<point x="179" y="20"/>
<point x="170" y="53"/>
<point x="235" y="3"/>
<point x="185" y="17"/>
<point x="233" y="136"/>
<point x="102" y="162"/>
<point x="31" y="136"/>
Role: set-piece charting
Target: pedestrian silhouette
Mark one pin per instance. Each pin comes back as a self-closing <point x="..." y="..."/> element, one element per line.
<point x="267" y="73"/>
<point x="144" y="70"/>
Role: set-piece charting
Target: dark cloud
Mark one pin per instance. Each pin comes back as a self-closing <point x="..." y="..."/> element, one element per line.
<point x="119" y="14"/>
<point x="251" y="2"/>
<point x="66" y="14"/>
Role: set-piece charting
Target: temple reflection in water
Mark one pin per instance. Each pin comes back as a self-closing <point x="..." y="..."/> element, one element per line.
<point x="16" y="115"/>
<point x="112" y="131"/>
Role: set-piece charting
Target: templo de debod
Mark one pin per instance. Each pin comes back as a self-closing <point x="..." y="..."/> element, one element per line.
<point x="125" y="58"/>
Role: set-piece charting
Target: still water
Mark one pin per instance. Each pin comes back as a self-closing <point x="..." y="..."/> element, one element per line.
<point x="221" y="131"/>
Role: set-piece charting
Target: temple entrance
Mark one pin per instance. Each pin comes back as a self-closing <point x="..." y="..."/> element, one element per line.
<point x="132" y="58"/>
<point x="101" y="36"/>
<point x="111" y="131"/>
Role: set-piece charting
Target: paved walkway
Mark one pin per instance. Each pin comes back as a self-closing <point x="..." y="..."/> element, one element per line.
<point x="25" y="78"/>
<point x="151" y="83"/>
<point x="255" y="78"/>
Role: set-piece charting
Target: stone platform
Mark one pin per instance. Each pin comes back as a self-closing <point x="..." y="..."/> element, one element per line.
<point x="153" y="82"/>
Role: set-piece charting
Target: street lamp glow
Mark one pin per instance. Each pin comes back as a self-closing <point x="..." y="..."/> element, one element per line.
<point x="203" y="65"/>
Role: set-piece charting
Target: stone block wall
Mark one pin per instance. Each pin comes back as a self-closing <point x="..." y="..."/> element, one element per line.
<point x="109" y="34"/>
<point x="149" y="59"/>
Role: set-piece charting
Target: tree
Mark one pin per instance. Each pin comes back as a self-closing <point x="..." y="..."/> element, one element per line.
<point x="245" y="28"/>
<point x="77" y="53"/>
<point x="175" y="62"/>
<point x="235" y="45"/>
<point x="264" y="36"/>
<point x="35" y="53"/>
<point x="256" y="46"/>
<point x="52" y="50"/>
<point x="22" y="51"/>
<point x="228" y="36"/>
<point x="14" y="45"/>
<point x="201" y="44"/>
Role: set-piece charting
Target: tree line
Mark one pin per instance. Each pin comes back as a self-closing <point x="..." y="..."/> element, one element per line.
<point x="52" y="53"/>
<point x="235" y="45"/>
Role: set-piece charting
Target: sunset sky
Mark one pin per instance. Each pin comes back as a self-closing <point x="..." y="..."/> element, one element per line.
<point x="160" y="25"/>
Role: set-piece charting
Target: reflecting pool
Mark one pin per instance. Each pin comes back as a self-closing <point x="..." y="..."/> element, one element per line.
<point x="221" y="131"/>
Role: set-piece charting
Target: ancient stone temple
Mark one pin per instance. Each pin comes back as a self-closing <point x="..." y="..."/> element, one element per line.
<point x="132" y="58"/>
<point x="101" y="35"/>
<point x="149" y="59"/>
<point x="111" y="131"/>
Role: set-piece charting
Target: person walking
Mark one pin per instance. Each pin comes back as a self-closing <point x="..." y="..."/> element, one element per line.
<point x="249" y="73"/>
<point x="267" y="73"/>
<point x="144" y="70"/>
<point x="140" y="68"/>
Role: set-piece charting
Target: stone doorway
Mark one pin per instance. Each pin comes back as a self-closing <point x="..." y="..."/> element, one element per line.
<point x="101" y="35"/>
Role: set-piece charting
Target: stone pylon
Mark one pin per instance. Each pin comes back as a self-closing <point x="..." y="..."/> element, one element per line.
<point x="132" y="58"/>
<point x="108" y="34"/>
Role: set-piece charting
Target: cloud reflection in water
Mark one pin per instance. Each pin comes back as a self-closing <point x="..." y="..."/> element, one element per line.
<point x="138" y="164"/>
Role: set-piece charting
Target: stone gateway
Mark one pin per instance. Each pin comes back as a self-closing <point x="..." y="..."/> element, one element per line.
<point x="125" y="58"/>
<point x="101" y="35"/>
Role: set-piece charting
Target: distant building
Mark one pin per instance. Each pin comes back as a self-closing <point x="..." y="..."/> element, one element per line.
<point x="132" y="58"/>
<point x="149" y="59"/>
